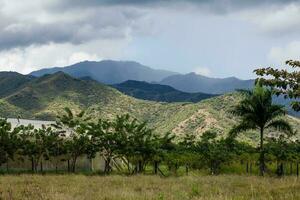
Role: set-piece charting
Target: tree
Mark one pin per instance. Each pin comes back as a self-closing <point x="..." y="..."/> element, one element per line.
<point x="105" y="140"/>
<point x="77" y="138"/>
<point x="56" y="146"/>
<point x="9" y="142"/>
<point x="257" y="111"/>
<point x="213" y="152"/>
<point x="41" y="143"/>
<point x="187" y="147"/>
<point x="281" y="149"/>
<point x="28" y="145"/>
<point x="138" y="143"/>
<point x="284" y="82"/>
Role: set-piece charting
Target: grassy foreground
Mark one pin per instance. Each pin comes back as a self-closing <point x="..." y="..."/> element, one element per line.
<point x="67" y="187"/>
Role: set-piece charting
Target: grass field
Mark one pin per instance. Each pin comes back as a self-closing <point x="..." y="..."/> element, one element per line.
<point x="67" y="187"/>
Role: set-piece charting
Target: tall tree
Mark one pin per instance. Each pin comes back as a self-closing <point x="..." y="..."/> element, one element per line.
<point x="284" y="82"/>
<point x="258" y="112"/>
<point x="137" y="140"/>
<point x="105" y="140"/>
<point x="213" y="152"/>
<point x="77" y="138"/>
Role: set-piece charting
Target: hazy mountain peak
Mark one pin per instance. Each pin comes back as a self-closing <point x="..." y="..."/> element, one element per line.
<point x="109" y="71"/>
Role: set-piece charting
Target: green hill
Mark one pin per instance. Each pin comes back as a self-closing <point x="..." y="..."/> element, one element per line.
<point x="45" y="97"/>
<point x="157" y="92"/>
<point x="11" y="82"/>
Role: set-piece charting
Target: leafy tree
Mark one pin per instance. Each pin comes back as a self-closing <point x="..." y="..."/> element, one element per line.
<point x="164" y="145"/>
<point x="281" y="150"/>
<point x="258" y="112"/>
<point x="213" y="152"/>
<point x="138" y="142"/>
<point x="187" y="147"/>
<point x="29" y="147"/>
<point x="283" y="81"/>
<point x="77" y="138"/>
<point x="9" y="142"/>
<point x="104" y="139"/>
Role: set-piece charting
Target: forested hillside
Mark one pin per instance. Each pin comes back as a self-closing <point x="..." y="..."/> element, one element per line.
<point x="45" y="97"/>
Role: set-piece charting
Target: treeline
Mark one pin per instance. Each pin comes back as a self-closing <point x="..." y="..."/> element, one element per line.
<point x="129" y="146"/>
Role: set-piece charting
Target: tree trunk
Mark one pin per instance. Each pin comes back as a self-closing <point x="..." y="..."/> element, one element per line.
<point x="262" y="153"/>
<point x="291" y="168"/>
<point x="92" y="164"/>
<point x="41" y="166"/>
<point x="74" y="164"/>
<point x="176" y="167"/>
<point x="155" y="167"/>
<point x="68" y="165"/>
<point x="297" y="171"/>
<point x="56" y="167"/>
<point x="140" y="168"/>
<point x="107" y="165"/>
<point x="32" y="164"/>
<point x="187" y="169"/>
<point x="247" y="167"/>
<point x="250" y="168"/>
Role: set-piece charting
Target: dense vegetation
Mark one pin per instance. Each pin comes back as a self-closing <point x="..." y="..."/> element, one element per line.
<point x="127" y="144"/>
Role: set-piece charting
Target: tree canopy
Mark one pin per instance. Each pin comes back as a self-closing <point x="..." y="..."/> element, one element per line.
<point x="283" y="81"/>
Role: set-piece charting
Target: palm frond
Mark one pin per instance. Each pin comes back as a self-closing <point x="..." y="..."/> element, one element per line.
<point x="281" y="125"/>
<point x="243" y="126"/>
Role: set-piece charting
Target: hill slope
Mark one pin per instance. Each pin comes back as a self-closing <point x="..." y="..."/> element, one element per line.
<point x="157" y="92"/>
<point x="45" y="98"/>
<point x="11" y="82"/>
<point x="193" y="82"/>
<point x="109" y="72"/>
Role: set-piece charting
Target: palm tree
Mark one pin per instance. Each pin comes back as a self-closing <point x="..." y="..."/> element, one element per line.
<point x="257" y="112"/>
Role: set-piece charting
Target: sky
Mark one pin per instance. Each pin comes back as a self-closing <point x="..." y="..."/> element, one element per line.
<point x="216" y="38"/>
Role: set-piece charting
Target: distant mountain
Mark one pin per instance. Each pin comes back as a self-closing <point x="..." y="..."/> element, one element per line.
<point x="44" y="98"/>
<point x="157" y="92"/>
<point x="109" y="72"/>
<point x="193" y="82"/>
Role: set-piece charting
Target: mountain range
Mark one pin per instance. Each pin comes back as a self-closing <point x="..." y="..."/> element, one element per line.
<point x="157" y="92"/>
<point x="193" y="82"/>
<point x="109" y="71"/>
<point x="115" y="72"/>
<point x="45" y="97"/>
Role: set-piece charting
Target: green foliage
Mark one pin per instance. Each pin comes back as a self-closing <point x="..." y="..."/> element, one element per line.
<point x="77" y="138"/>
<point x="9" y="141"/>
<point x="125" y="139"/>
<point x="213" y="152"/>
<point x="258" y="112"/>
<point x="283" y="81"/>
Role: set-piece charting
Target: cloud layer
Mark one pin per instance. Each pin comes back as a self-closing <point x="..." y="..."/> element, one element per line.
<point x="39" y="33"/>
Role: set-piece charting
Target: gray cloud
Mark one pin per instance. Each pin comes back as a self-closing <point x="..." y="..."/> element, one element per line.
<point x="75" y="27"/>
<point x="77" y="21"/>
<point x="216" y="5"/>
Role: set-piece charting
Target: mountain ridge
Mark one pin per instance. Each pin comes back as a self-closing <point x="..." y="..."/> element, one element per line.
<point x="158" y="92"/>
<point x="193" y="82"/>
<point x="109" y="71"/>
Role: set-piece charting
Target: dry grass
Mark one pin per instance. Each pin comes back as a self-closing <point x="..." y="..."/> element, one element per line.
<point x="65" y="187"/>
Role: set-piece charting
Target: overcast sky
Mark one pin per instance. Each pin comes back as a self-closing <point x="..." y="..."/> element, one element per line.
<point x="218" y="38"/>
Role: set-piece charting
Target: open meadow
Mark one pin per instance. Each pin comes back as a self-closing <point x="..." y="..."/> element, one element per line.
<point x="114" y="187"/>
